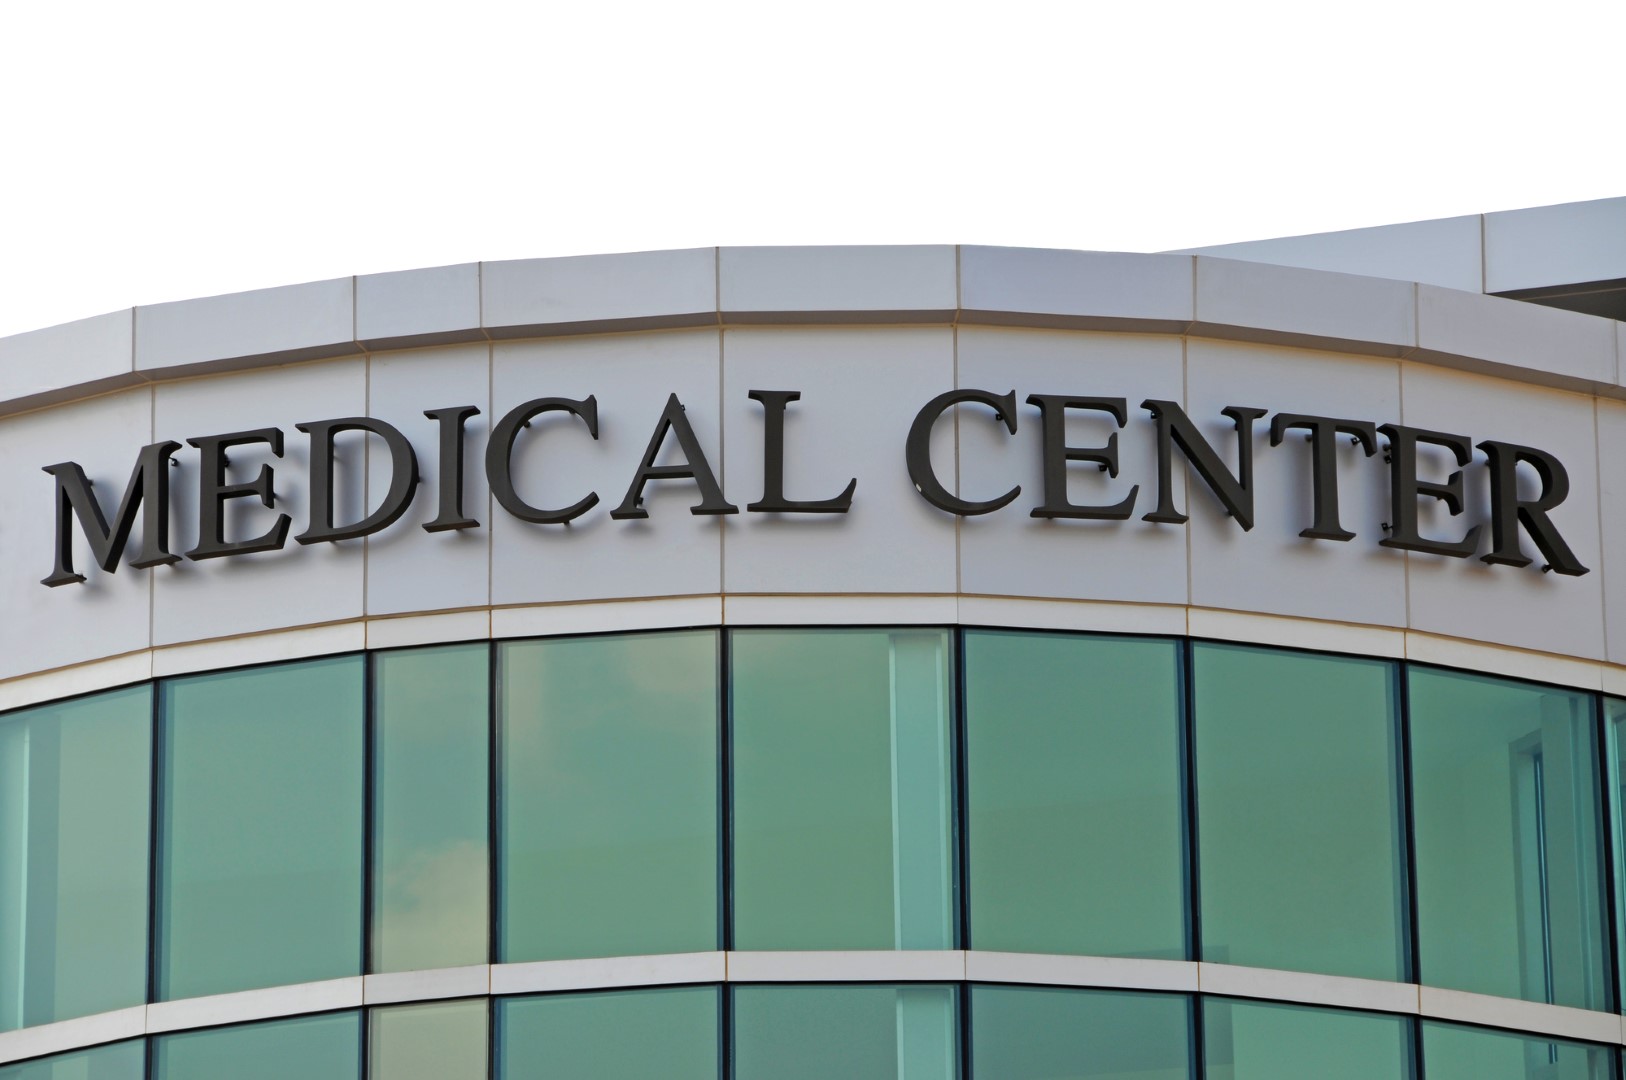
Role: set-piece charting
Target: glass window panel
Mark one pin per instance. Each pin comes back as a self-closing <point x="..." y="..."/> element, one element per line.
<point x="1073" y="764"/>
<point x="630" y="1035"/>
<point x="260" y="851"/>
<point x="442" y="1041"/>
<point x="1509" y="895"/>
<point x="1248" y="1040"/>
<point x="841" y="789"/>
<point x="1465" y="1053"/>
<point x="431" y="762"/>
<point x="609" y="824"/>
<point x="854" y="1032"/>
<point x="1298" y="808"/>
<point x="118" y="1061"/>
<point x="75" y="801"/>
<point x="1027" y="1033"/>
<point x="326" y="1047"/>
<point x="1615" y="763"/>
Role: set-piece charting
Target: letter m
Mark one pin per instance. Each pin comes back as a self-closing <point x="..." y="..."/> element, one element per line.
<point x="149" y="483"/>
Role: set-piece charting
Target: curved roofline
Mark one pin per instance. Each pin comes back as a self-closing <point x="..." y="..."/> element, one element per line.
<point x="933" y="285"/>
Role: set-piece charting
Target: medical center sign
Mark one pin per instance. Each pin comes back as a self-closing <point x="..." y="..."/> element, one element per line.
<point x="107" y="528"/>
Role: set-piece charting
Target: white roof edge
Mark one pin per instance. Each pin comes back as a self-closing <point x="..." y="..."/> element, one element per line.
<point x="1495" y="252"/>
<point x="941" y="285"/>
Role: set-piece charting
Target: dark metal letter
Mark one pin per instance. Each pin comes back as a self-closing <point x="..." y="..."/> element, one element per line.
<point x="403" y="479"/>
<point x="500" y="457"/>
<point x="451" y="420"/>
<point x="1053" y="416"/>
<point x="149" y="482"/>
<point x="1324" y="432"/>
<point x="1508" y="511"/>
<point x="918" y="450"/>
<point x="213" y="491"/>
<point x="694" y="467"/>
<point x="773" y="499"/>
<point x="1405" y="489"/>
<point x="1174" y="428"/>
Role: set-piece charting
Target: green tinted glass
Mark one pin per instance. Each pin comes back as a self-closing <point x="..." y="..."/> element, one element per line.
<point x="1023" y="1033"/>
<point x="120" y="1061"/>
<point x="1248" y="1040"/>
<point x="1464" y="1053"/>
<point x="1073" y="766"/>
<point x="442" y="1041"/>
<point x="609" y="821"/>
<point x="431" y="761"/>
<point x="854" y="1032"/>
<point x="841" y="789"/>
<point x="633" y="1035"/>
<point x="326" y="1047"/>
<point x="260" y="852"/>
<point x="1505" y="789"/>
<point x="1615" y="767"/>
<point x="1299" y="816"/>
<point x="74" y="806"/>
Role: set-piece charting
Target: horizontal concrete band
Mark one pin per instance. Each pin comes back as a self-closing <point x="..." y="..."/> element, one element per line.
<point x="947" y="966"/>
<point x="942" y="285"/>
<point x="660" y="613"/>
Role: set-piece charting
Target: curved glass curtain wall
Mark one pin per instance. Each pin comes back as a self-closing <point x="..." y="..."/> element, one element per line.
<point x="857" y="1032"/>
<point x="797" y="789"/>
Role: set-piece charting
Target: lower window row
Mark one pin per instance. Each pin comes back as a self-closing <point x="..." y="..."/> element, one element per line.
<point x="858" y="1032"/>
<point x="809" y="789"/>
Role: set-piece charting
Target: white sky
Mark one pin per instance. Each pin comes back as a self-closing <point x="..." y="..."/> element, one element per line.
<point x="161" y="150"/>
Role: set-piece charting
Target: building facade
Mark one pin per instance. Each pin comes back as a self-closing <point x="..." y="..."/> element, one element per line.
<point x="786" y="663"/>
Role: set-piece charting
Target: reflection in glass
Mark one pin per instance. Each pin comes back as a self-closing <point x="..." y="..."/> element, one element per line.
<point x="854" y="1032"/>
<point x="617" y="1035"/>
<point x="118" y="1061"/>
<point x="260" y="850"/>
<point x="325" y="1047"/>
<point x="841" y="789"/>
<point x="609" y="821"/>
<point x="430" y="768"/>
<point x="1250" y="1040"/>
<point x="1615" y="765"/>
<point x="74" y="806"/>
<point x="1073" y="764"/>
<point x="445" y="1040"/>
<point x="1509" y="893"/>
<point x="1465" y="1053"/>
<point x="1298" y="806"/>
<point x="1031" y="1033"/>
